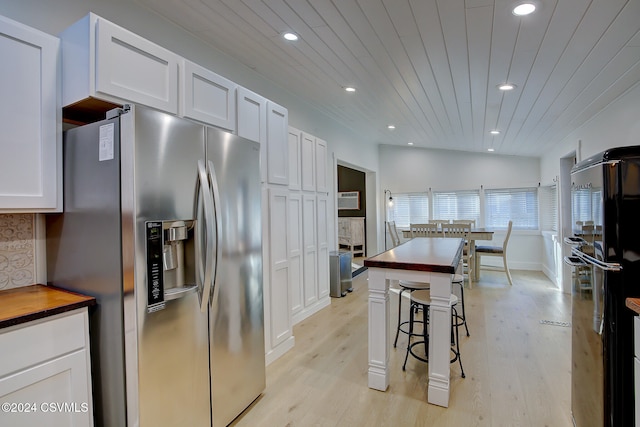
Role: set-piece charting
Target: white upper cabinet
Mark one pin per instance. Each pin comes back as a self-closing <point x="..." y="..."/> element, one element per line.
<point x="277" y="144"/>
<point x="308" y="159"/>
<point x="294" y="158"/>
<point x="208" y="97"/>
<point x="322" y="185"/>
<point x="252" y="123"/>
<point x="105" y="61"/>
<point x="31" y="141"/>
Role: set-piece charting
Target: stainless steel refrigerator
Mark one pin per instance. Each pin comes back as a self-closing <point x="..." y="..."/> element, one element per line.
<point x="162" y="224"/>
<point x="606" y="258"/>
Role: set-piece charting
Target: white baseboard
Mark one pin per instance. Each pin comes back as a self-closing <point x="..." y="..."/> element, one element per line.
<point x="312" y="309"/>
<point x="550" y="274"/>
<point x="279" y="350"/>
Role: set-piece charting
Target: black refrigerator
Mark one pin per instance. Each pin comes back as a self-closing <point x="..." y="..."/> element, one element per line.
<point x="605" y="205"/>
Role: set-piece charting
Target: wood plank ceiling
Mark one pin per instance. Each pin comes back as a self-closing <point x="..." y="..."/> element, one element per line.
<point x="431" y="67"/>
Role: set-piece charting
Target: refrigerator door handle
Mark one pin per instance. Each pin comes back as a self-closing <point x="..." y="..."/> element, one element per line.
<point x="213" y="181"/>
<point x="203" y="193"/>
<point x="607" y="266"/>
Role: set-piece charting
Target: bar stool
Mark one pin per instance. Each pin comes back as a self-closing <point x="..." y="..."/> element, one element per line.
<point x="421" y="299"/>
<point x="406" y="285"/>
<point x="458" y="280"/>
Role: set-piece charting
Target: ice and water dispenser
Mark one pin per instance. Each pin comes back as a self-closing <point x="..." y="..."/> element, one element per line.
<point x="170" y="261"/>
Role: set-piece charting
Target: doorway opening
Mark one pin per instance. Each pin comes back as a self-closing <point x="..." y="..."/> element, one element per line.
<point x="355" y="213"/>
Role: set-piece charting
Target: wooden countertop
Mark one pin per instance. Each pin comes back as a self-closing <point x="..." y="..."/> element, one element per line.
<point x="436" y="254"/>
<point x="633" y="304"/>
<point x="24" y="304"/>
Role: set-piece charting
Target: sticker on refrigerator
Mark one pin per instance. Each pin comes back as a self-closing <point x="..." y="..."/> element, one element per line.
<point x="106" y="142"/>
<point x="155" y="279"/>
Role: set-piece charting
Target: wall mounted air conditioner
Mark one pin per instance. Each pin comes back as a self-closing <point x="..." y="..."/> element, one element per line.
<point x="349" y="200"/>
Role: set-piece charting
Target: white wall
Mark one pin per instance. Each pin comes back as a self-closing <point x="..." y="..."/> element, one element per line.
<point x="53" y="16"/>
<point x="411" y="169"/>
<point x="615" y="126"/>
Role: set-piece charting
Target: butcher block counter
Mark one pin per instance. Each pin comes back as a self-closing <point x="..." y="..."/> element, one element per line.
<point x="45" y="374"/>
<point x="24" y="304"/>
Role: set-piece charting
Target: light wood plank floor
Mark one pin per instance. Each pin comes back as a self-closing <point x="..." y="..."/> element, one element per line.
<point x="517" y="368"/>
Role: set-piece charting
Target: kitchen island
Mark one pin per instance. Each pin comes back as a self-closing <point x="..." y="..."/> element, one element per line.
<point x="422" y="259"/>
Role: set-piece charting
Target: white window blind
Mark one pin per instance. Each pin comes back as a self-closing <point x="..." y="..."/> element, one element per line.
<point x="586" y="205"/>
<point x="519" y="205"/>
<point x="409" y="208"/>
<point x="457" y="205"/>
<point x="549" y="208"/>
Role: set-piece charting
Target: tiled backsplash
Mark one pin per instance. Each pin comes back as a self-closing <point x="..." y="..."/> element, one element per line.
<point x="17" y="250"/>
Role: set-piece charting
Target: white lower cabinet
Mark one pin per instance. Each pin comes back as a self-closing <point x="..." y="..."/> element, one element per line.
<point x="45" y="374"/>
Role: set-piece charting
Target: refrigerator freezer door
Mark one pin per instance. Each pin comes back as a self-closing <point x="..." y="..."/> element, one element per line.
<point x="167" y="350"/>
<point x="236" y="318"/>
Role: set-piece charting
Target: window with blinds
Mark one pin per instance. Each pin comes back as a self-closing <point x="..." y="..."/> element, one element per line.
<point x="549" y="208"/>
<point x="519" y="205"/>
<point x="409" y="208"/>
<point x="457" y="205"/>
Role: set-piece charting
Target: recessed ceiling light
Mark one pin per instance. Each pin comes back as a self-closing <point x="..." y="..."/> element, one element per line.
<point x="290" y="36"/>
<point x="494" y="132"/>
<point x="391" y="127"/>
<point x="524" y="9"/>
<point x="506" y="86"/>
<point x="409" y="143"/>
<point x="490" y="150"/>
<point x="350" y="89"/>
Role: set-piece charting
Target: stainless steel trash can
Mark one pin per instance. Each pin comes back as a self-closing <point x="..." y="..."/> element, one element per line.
<point x="340" y="273"/>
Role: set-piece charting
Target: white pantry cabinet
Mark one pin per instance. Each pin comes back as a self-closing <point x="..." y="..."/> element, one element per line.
<point x="308" y="161"/>
<point x="102" y="60"/>
<point x="47" y="372"/>
<point x="322" y="180"/>
<point x="277" y="316"/>
<point x="252" y="123"/>
<point x="294" y="239"/>
<point x="295" y="140"/>
<point x="30" y="119"/>
<point x="323" y="216"/>
<point x="277" y="147"/>
<point x="308" y="197"/>
<point x="207" y="97"/>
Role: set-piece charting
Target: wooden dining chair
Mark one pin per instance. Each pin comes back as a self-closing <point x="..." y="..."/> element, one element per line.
<point x="460" y="230"/>
<point x="471" y="222"/>
<point x="499" y="251"/>
<point x="425" y="230"/>
<point x="393" y="232"/>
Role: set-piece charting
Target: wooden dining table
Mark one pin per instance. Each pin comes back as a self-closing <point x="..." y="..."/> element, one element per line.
<point x="422" y="259"/>
<point x="474" y="235"/>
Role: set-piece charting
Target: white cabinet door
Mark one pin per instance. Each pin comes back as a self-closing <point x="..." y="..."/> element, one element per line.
<point x="308" y="162"/>
<point x="280" y="312"/>
<point x="252" y="123"/>
<point x="294" y="158"/>
<point x="208" y="97"/>
<point x="105" y="61"/>
<point x="323" y="245"/>
<point x="49" y="364"/>
<point x="277" y="148"/>
<point x="322" y="183"/>
<point x="31" y="142"/>
<point x="310" y="249"/>
<point x="294" y="237"/>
